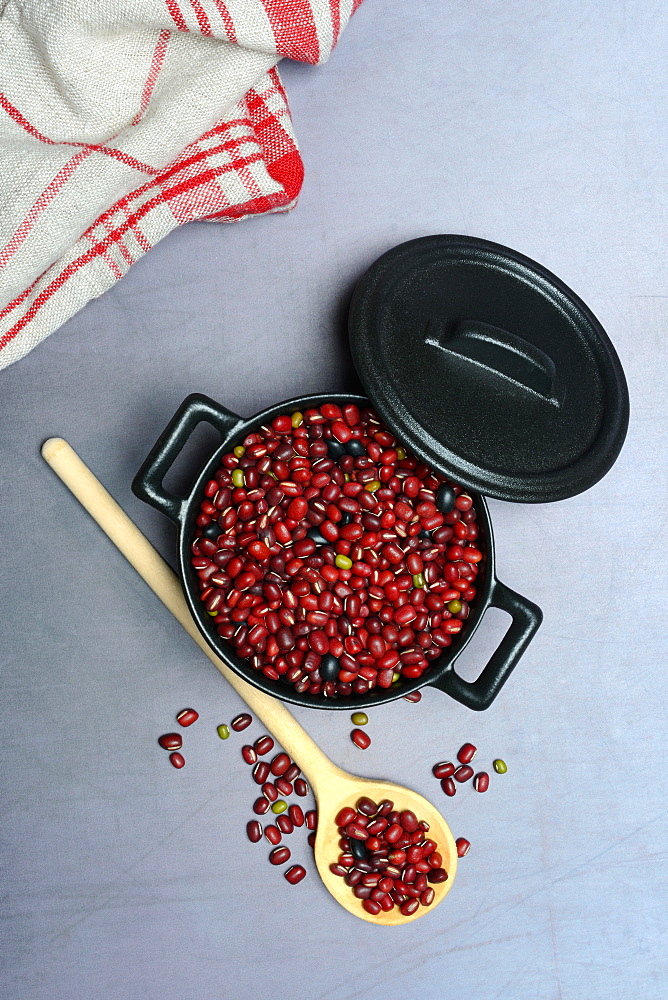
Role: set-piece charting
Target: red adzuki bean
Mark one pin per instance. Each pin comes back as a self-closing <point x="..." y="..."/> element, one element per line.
<point x="187" y="716"/>
<point x="463" y="846"/>
<point x="279" y="855"/>
<point x="285" y="824"/>
<point x="263" y="745"/>
<point x="261" y="772"/>
<point x="295" y="874"/>
<point x="449" y="786"/>
<point x="463" y="773"/>
<point x="254" y="831"/>
<point x="292" y="772"/>
<point x="296" y="815"/>
<point x="481" y="782"/>
<point x="283" y="786"/>
<point x="171" y="741"/>
<point x="249" y="754"/>
<point x="177" y="760"/>
<point x="311" y="819"/>
<point x="466" y="753"/>
<point x="360" y="739"/>
<point x="280" y="764"/>
<point x="270" y="791"/>
<point x="241" y="722"/>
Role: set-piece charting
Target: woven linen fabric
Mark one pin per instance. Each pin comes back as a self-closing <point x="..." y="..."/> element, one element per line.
<point x="122" y="119"/>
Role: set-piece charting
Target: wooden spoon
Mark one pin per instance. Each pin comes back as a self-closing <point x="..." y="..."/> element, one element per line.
<point x="332" y="787"/>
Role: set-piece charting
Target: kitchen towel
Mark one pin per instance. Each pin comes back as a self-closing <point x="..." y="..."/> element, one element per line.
<point x="122" y="119"/>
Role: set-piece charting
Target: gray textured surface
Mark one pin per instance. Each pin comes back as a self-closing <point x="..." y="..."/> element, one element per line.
<point x="543" y="129"/>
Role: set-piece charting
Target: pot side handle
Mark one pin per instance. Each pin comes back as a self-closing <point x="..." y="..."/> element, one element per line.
<point x="147" y="484"/>
<point x="526" y="619"/>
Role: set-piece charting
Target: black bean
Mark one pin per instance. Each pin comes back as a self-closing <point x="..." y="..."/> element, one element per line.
<point x="329" y="667"/>
<point x="212" y="531"/>
<point x="355" y="448"/>
<point x="357" y="849"/>
<point x="335" y="448"/>
<point x="315" y="535"/>
<point x="445" y="498"/>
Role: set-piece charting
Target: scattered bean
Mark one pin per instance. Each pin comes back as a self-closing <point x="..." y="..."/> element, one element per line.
<point x="223" y="731"/>
<point x="254" y="831"/>
<point x="481" y="782"/>
<point x="187" y="716"/>
<point x="270" y="791"/>
<point x="295" y="874"/>
<point x="280" y="764"/>
<point x="176" y="760"/>
<point x="463" y="773"/>
<point x="279" y="855"/>
<point x="500" y="766"/>
<point x="279" y="806"/>
<point x="463" y="846"/>
<point x="466" y="753"/>
<point x="296" y="815"/>
<point x="360" y="739"/>
<point x="449" y="786"/>
<point x="249" y="755"/>
<point x="171" y="741"/>
<point x="260" y="772"/>
<point x="285" y="824"/>
<point x="359" y="718"/>
<point x="263" y="745"/>
<point x="311" y="819"/>
<point x="444" y="769"/>
<point x="241" y="722"/>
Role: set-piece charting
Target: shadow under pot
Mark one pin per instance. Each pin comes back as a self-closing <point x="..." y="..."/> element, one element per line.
<point x="272" y="626"/>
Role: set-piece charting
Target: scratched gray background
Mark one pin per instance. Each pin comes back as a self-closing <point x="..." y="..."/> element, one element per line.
<point x="538" y="126"/>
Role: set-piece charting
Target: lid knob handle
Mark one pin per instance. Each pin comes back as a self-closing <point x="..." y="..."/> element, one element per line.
<point x="499" y="351"/>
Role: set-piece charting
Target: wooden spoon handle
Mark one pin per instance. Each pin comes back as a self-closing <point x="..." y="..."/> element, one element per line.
<point x="152" y="568"/>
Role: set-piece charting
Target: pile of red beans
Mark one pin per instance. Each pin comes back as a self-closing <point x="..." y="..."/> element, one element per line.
<point x="387" y="859"/>
<point x="331" y="558"/>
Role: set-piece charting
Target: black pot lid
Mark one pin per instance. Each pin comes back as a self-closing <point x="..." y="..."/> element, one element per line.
<point x="489" y="368"/>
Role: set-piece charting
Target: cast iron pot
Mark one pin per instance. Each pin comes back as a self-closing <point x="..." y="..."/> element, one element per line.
<point x="183" y="511"/>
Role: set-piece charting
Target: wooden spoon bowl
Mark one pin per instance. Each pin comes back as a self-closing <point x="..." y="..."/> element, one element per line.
<point x="335" y="789"/>
<point x="332" y="787"/>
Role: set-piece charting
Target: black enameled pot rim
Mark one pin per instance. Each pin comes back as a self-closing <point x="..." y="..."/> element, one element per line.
<point x="478" y="695"/>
